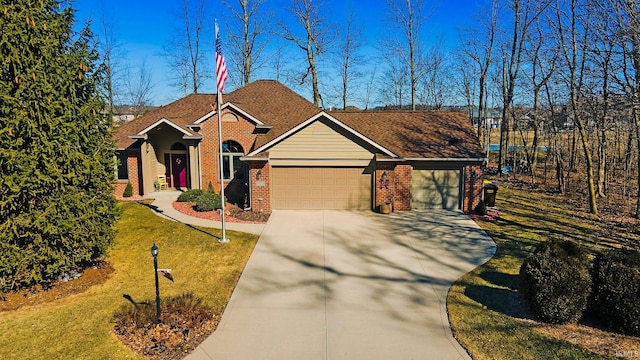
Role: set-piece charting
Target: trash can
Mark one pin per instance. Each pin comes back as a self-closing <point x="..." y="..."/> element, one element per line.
<point x="490" y="191"/>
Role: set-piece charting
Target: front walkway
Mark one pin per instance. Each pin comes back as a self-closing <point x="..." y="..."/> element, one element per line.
<point x="349" y="285"/>
<point x="163" y="207"/>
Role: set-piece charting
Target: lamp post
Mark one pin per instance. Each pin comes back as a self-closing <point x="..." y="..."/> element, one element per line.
<point x="154" y="252"/>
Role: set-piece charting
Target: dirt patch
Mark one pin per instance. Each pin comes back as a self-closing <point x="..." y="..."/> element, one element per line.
<point x="130" y="198"/>
<point x="232" y="214"/>
<point x="596" y="340"/>
<point x="94" y="275"/>
<point x="184" y="324"/>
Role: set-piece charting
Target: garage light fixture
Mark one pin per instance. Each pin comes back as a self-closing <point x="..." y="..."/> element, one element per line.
<point x="259" y="174"/>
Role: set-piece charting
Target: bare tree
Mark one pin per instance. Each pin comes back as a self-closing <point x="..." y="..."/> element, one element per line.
<point x="314" y="39"/>
<point x="248" y="36"/>
<point x="466" y="83"/>
<point x="573" y="33"/>
<point x="525" y="12"/>
<point x="112" y="53"/>
<point x="542" y="62"/>
<point x="479" y="46"/>
<point x="349" y="57"/>
<point x="626" y="15"/>
<point x="406" y="20"/>
<point x="394" y="84"/>
<point x="184" y="51"/>
<point x="139" y="87"/>
<point x="368" y="89"/>
<point x="435" y="85"/>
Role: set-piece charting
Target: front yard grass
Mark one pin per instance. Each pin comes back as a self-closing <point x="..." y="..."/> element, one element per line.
<point x="79" y="326"/>
<point x="485" y="310"/>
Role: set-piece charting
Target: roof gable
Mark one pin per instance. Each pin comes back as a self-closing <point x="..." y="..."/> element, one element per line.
<point x="179" y="114"/>
<point x="235" y="109"/>
<point x="313" y="119"/>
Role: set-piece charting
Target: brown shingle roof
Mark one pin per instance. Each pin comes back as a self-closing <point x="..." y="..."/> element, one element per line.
<point x="408" y="134"/>
<point x="417" y="134"/>
<point x="266" y="100"/>
<point x="274" y="104"/>
<point x="180" y="112"/>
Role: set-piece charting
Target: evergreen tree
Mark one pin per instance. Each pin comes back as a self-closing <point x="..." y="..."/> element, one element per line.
<point x="56" y="154"/>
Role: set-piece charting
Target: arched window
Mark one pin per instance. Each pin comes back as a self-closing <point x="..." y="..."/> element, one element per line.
<point x="231" y="164"/>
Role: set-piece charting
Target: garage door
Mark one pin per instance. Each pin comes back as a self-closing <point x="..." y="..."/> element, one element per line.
<point x="435" y="189"/>
<point x="320" y="188"/>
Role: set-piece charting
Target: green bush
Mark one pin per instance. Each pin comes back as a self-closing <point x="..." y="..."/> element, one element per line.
<point x="481" y="209"/>
<point x="616" y="290"/>
<point x="190" y="195"/>
<point x="555" y="281"/>
<point x="128" y="190"/>
<point x="208" y="202"/>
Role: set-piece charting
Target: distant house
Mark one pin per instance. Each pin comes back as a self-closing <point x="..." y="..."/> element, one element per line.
<point x="125" y="113"/>
<point x="282" y="152"/>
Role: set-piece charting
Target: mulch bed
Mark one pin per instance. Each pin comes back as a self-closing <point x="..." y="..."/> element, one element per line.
<point x="180" y="330"/>
<point x="232" y="214"/>
<point x="492" y="216"/>
<point x="130" y="198"/>
<point x="97" y="274"/>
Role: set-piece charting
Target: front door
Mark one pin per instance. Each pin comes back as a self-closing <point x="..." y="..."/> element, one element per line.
<point x="179" y="170"/>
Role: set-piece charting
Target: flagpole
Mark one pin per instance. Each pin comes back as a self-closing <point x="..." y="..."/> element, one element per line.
<point x="220" y="164"/>
<point x="221" y="77"/>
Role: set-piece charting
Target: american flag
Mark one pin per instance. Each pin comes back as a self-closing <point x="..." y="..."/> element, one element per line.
<point x="221" y="66"/>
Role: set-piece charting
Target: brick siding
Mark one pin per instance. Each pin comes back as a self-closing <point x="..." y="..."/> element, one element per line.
<point x="134" y="170"/>
<point x="240" y="131"/>
<point x="260" y="185"/>
<point x="472" y="187"/>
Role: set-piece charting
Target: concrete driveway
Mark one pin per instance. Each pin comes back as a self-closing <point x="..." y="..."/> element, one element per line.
<point x="349" y="285"/>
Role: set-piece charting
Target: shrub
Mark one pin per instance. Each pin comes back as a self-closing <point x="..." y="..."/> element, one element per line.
<point x="481" y="209"/>
<point x="555" y="281"/>
<point x="128" y="190"/>
<point x="208" y="202"/>
<point x="616" y="290"/>
<point x="190" y="195"/>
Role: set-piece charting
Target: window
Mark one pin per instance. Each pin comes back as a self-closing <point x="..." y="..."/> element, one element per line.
<point x="231" y="164"/>
<point x="122" y="171"/>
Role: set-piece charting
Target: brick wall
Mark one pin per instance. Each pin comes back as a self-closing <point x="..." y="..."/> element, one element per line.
<point x="260" y="185"/>
<point x="383" y="186"/>
<point x="402" y="187"/>
<point x="393" y="185"/>
<point x="134" y="170"/>
<point x="240" y="131"/>
<point x="472" y="187"/>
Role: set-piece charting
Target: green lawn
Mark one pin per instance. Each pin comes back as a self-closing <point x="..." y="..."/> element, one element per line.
<point x="485" y="310"/>
<point x="78" y="326"/>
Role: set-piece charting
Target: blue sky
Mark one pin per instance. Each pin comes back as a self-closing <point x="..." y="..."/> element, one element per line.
<point x="143" y="27"/>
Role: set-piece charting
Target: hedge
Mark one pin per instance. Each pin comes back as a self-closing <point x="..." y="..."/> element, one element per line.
<point x="555" y="281"/>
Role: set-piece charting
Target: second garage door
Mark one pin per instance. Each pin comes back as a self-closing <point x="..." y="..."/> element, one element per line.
<point x="435" y="189"/>
<point x="315" y="188"/>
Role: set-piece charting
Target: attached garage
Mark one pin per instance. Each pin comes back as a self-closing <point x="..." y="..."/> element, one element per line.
<point x="316" y="188"/>
<point x="436" y="189"/>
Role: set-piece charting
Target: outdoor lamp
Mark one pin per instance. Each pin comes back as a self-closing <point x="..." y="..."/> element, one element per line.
<point x="259" y="174"/>
<point x="154" y="252"/>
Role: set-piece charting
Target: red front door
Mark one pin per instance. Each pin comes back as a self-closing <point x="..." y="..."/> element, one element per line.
<point x="179" y="170"/>
<point x="176" y="170"/>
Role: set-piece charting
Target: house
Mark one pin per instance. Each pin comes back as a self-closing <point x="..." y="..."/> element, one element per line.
<point x="126" y="113"/>
<point x="282" y="152"/>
